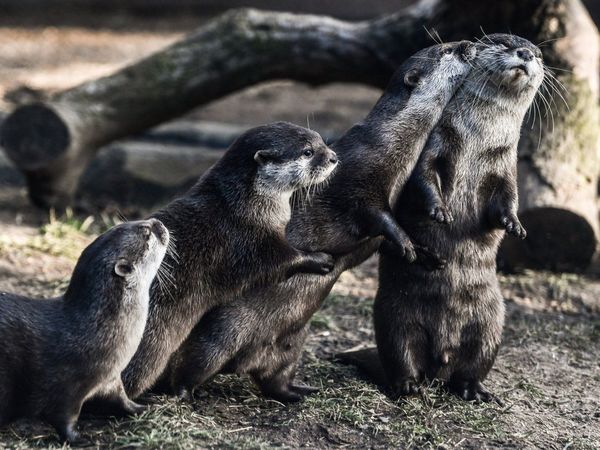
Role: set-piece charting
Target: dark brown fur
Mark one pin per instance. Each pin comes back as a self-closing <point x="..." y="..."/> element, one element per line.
<point x="461" y="197"/>
<point x="262" y="332"/>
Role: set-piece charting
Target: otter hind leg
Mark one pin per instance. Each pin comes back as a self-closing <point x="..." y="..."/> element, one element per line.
<point x="196" y="366"/>
<point x="475" y="358"/>
<point x="63" y="417"/>
<point x="211" y="346"/>
<point x="112" y="401"/>
<point x="400" y="353"/>
<point x="472" y="390"/>
<point x="123" y="405"/>
<point x="279" y="385"/>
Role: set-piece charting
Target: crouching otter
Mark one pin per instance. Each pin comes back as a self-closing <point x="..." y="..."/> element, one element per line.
<point x="57" y="353"/>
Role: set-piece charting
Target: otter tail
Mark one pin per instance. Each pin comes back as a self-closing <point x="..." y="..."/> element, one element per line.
<point x="367" y="361"/>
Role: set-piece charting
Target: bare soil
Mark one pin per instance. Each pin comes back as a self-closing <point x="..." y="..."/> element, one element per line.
<point x="547" y="371"/>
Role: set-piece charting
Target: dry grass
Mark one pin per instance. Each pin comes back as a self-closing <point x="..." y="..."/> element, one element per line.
<point x="546" y="373"/>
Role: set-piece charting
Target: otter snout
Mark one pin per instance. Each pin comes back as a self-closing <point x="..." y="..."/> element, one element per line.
<point x="327" y="157"/>
<point x="467" y="50"/>
<point x="332" y="156"/>
<point x="323" y="163"/>
<point x="155" y="227"/>
<point x="159" y="230"/>
<point x="525" y="54"/>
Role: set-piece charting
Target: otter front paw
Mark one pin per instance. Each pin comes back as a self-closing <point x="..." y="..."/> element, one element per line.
<point x="429" y="259"/>
<point x="405" y="250"/>
<point x="511" y="224"/>
<point x="441" y="214"/>
<point x="319" y="262"/>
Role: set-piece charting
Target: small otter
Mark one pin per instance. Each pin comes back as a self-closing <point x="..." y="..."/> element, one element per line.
<point x="57" y="353"/>
<point x="262" y="333"/>
<point x="460" y="199"/>
<point x="231" y="236"/>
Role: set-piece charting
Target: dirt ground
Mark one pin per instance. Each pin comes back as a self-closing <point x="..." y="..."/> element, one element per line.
<point x="547" y="371"/>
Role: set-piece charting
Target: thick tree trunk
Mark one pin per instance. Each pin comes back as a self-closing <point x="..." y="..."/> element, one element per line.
<point x="53" y="142"/>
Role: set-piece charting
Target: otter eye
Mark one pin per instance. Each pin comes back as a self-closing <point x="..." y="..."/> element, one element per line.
<point x="447" y="51"/>
<point x="309" y="153"/>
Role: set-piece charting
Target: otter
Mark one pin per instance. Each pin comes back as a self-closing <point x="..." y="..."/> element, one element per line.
<point x="459" y="201"/>
<point x="230" y="231"/>
<point x="262" y="333"/>
<point x="57" y="353"/>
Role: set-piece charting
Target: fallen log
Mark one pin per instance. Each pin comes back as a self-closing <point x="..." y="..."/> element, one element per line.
<point x="54" y="141"/>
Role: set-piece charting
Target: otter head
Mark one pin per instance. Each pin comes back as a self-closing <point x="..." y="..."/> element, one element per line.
<point x="508" y="69"/>
<point x="143" y="247"/>
<point x="120" y="263"/>
<point x="433" y="74"/>
<point x="292" y="158"/>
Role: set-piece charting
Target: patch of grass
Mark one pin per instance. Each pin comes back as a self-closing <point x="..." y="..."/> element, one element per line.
<point x="354" y="305"/>
<point x="530" y="389"/>
<point x="64" y="236"/>
<point x="175" y="425"/>
<point x="421" y="422"/>
<point x="320" y="321"/>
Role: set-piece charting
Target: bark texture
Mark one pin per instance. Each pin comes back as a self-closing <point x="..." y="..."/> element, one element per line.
<point x="54" y="141"/>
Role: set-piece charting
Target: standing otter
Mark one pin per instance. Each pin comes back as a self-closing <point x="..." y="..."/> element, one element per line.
<point x="57" y="353"/>
<point x="459" y="201"/>
<point x="262" y="333"/>
<point x="231" y="236"/>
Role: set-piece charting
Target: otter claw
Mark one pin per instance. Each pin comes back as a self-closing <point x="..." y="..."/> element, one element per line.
<point x="441" y="215"/>
<point x="428" y="259"/>
<point x="474" y="391"/>
<point x="410" y="254"/>
<point x="512" y="226"/>
<point x="322" y="263"/>
<point x="406" y="387"/>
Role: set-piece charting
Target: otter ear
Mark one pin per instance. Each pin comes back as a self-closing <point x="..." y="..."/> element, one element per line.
<point x="412" y="77"/>
<point x="264" y="156"/>
<point x="123" y="268"/>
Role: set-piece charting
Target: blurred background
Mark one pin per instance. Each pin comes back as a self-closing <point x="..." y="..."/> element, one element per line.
<point x="547" y="369"/>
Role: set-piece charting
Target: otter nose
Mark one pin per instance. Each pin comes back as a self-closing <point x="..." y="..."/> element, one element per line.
<point x="157" y="228"/>
<point x="146" y="229"/>
<point x="525" y="54"/>
<point x="467" y="50"/>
